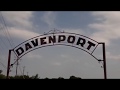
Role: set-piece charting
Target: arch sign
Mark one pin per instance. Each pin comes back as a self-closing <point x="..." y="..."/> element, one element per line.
<point x="56" y="37"/>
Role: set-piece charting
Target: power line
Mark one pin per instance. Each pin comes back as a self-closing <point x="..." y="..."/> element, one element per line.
<point x="3" y="60"/>
<point x="3" y="29"/>
<point x="3" y="46"/>
<point x="3" y="43"/>
<point x="2" y="49"/>
<point x="3" y="33"/>
<point x="6" y="36"/>
<point x="3" y="65"/>
<point x="6" y="27"/>
<point x="7" y="32"/>
<point x="6" y="66"/>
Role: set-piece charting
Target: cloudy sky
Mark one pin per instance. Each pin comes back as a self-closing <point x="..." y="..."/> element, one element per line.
<point x="62" y="61"/>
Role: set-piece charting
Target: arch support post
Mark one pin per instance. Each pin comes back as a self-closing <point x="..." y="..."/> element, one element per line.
<point x="104" y="60"/>
<point x="8" y="66"/>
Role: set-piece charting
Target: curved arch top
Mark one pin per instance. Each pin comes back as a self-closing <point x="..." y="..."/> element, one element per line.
<point x="57" y="38"/>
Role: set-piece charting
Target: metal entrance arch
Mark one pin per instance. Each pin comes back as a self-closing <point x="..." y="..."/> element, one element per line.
<point x="56" y="37"/>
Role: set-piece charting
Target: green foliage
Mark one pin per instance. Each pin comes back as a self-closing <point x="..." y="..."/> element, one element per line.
<point x="20" y="77"/>
<point x="73" y="77"/>
<point x="35" y="77"/>
<point x="46" y="78"/>
<point x="1" y="71"/>
<point x="60" y="78"/>
<point x="32" y="77"/>
<point x="2" y="76"/>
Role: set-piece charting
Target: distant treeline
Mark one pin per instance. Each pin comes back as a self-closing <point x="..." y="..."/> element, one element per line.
<point x="33" y="77"/>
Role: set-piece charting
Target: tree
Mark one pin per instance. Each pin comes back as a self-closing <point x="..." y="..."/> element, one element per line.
<point x="60" y="78"/>
<point x="35" y="77"/>
<point x="46" y="78"/>
<point x="1" y="75"/>
<point x="73" y="77"/>
<point x="1" y="71"/>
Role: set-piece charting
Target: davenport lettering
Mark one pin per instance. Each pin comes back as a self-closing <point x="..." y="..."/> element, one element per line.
<point x="77" y="41"/>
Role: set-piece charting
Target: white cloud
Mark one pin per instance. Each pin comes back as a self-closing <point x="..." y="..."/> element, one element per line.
<point x="49" y="18"/>
<point x="109" y="55"/>
<point x="77" y="31"/>
<point x="34" y="56"/>
<point x="56" y="63"/>
<point x="64" y="56"/>
<point x="21" y="33"/>
<point x="18" y="18"/>
<point x="113" y="57"/>
<point x="108" y="26"/>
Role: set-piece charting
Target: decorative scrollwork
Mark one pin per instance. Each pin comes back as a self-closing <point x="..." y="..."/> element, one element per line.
<point x="53" y="31"/>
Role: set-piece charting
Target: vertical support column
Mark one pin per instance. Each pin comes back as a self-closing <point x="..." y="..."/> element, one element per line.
<point x="17" y="67"/>
<point x="8" y="67"/>
<point x="104" y="61"/>
<point x="23" y="70"/>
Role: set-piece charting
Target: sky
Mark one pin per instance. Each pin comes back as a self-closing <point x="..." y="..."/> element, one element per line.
<point x="62" y="61"/>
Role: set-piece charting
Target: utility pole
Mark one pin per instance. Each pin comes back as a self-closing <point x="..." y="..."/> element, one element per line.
<point x="17" y="67"/>
<point x="27" y="73"/>
<point x="23" y="70"/>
